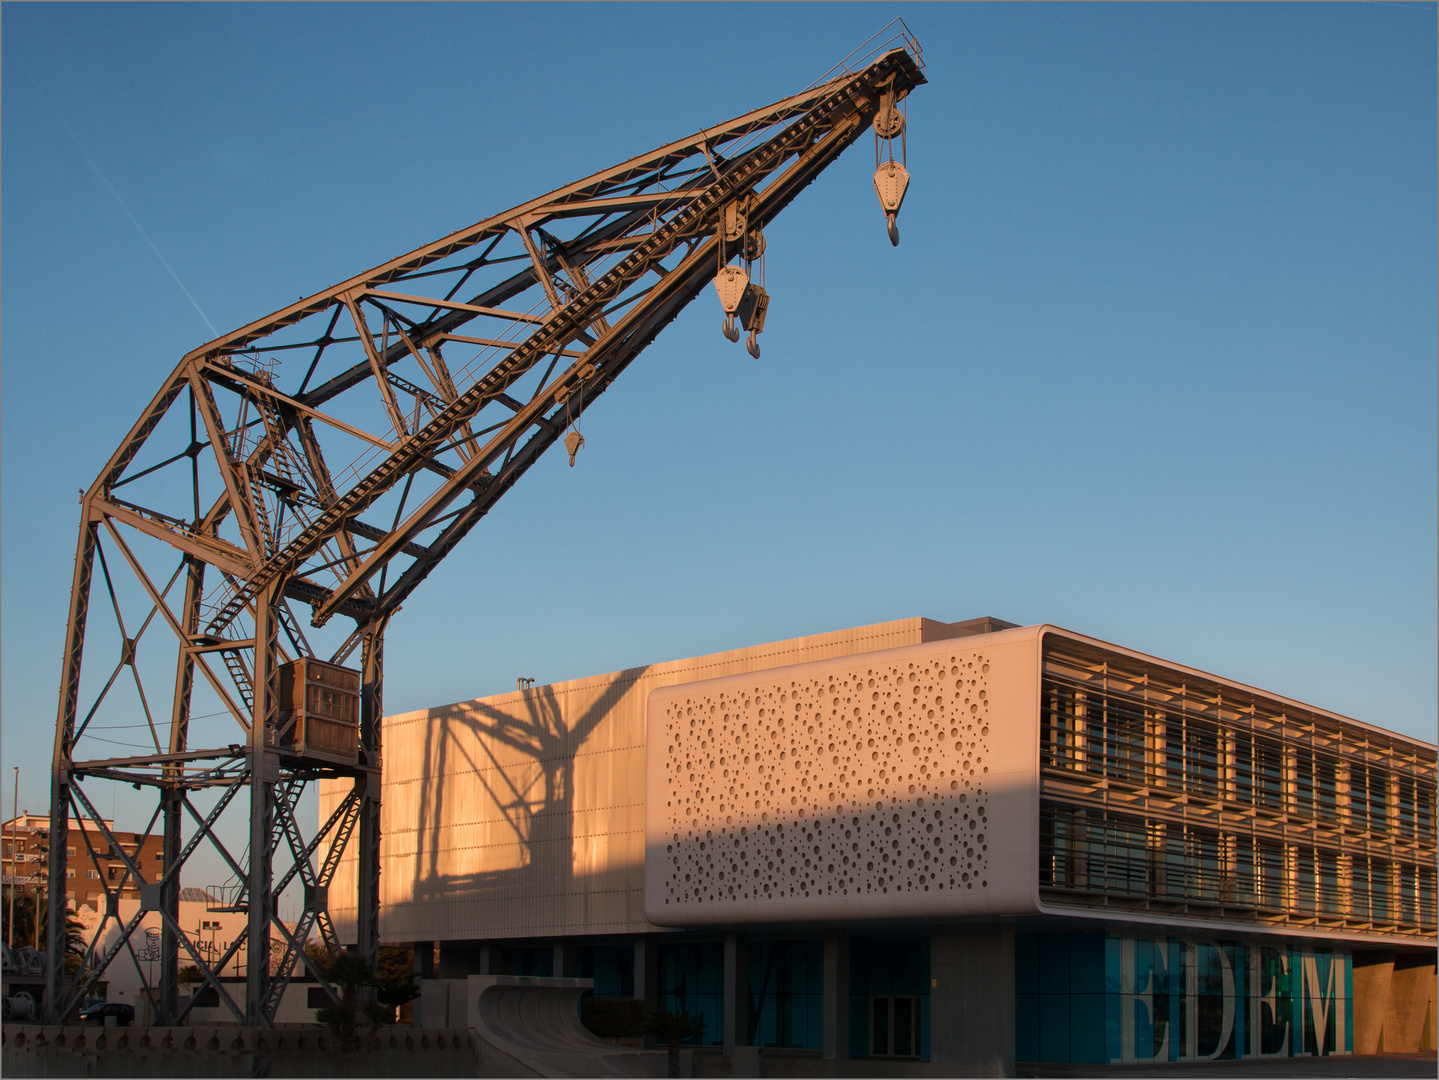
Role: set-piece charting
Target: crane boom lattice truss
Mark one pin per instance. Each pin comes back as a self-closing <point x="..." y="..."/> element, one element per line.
<point x="331" y="454"/>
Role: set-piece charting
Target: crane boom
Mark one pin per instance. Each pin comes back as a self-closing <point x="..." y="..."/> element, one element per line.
<point x="333" y="453"/>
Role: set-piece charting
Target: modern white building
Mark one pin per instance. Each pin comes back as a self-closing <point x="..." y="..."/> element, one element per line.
<point x="966" y="844"/>
<point x="213" y="927"/>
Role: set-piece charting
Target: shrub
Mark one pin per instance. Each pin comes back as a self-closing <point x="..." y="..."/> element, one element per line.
<point x="614" y="1018"/>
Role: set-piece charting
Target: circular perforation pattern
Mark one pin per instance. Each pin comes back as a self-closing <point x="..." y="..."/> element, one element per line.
<point x="858" y="783"/>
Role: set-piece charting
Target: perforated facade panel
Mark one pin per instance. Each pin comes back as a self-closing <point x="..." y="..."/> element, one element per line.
<point x="878" y="786"/>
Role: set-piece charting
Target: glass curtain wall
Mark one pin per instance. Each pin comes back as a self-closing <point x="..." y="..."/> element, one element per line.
<point x="1099" y="997"/>
<point x="1162" y="792"/>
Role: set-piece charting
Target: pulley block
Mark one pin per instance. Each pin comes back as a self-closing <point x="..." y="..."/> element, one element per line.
<point x="891" y="181"/>
<point x="731" y="283"/>
<point x="752" y="311"/>
<point x="573" y="441"/>
<point x="889" y="121"/>
<point x="752" y="308"/>
<point x="754" y="245"/>
<point x="736" y="221"/>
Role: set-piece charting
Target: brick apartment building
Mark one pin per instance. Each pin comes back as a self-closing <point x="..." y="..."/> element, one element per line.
<point x="91" y="865"/>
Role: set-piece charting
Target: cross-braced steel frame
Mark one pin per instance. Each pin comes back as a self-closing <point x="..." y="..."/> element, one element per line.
<point x="331" y="454"/>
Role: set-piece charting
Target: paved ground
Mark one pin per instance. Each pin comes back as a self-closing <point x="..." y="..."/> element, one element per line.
<point x="1382" y="1065"/>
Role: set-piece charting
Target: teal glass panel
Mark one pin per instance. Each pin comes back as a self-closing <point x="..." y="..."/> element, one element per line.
<point x="537" y="961"/>
<point x="858" y="1026"/>
<point x="1111" y="1025"/>
<point x="1086" y="963"/>
<point x="786" y="993"/>
<point x="1212" y="1011"/>
<point x="610" y="966"/>
<point x="1054" y="964"/>
<point x="1178" y="1019"/>
<point x="692" y="980"/>
<point x="1053" y="1027"/>
<point x="1086" y="1028"/>
<point x="1026" y="966"/>
<point x="1026" y="1027"/>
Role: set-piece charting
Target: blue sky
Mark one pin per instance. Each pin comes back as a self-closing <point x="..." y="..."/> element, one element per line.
<point x="1155" y="359"/>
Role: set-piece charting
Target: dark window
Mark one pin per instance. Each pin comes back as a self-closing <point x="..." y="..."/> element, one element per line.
<point x="1330" y="900"/>
<point x="1368" y="799"/>
<point x="1304" y="880"/>
<point x="1304" y="783"/>
<point x="316" y="998"/>
<point x="889" y="969"/>
<point x="1061" y="853"/>
<point x="1427" y="915"/>
<point x="1244" y="768"/>
<point x="1405" y="806"/>
<point x="1060" y="728"/>
<point x="1380" y="904"/>
<point x="1124" y="732"/>
<point x="1207" y="883"/>
<point x="610" y="966"/>
<point x="1118" y="855"/>
<point x="1270" y="779"/>
<point x="1359" y="895"/>
<point x="786" y="993"/>
<point x="692" y="979"/>
<point x="1201" y="757"/>
<point x="1177" y="861"/>
<point x="894" y="1027"/>
<point x="536" y="960"/>
<point x="1326" y="776"/>
<point x="1424" y="810"/>
<point x="1241" y="889"/>
<point x="1408" y="894"/>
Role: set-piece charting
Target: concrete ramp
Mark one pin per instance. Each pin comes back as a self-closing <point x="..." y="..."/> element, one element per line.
<point x="530" y="1026"/>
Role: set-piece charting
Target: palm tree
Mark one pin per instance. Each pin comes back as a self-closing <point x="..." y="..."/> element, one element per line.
<point x="394" y="985"/>
<point x="348" y="971"/>
<point x="672" y="1029"/>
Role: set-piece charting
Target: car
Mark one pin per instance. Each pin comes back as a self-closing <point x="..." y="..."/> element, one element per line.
<point x="101" y="1012"/>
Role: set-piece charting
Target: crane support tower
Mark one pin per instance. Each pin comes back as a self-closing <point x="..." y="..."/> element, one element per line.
<point x="330" y="455"/>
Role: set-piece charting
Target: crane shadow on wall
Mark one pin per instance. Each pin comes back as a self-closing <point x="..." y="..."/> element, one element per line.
<point x="498" y="819"/>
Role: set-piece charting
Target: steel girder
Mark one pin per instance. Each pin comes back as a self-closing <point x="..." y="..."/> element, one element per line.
<point x="332" y="454"/>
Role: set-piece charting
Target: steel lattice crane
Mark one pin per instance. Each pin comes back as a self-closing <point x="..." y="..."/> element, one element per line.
<point x="330" y="455"/>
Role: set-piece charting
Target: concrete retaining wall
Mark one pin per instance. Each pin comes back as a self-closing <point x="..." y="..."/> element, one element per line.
<point x="83" y="1050"/>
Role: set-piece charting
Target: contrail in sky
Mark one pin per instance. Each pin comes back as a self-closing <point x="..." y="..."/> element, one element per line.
<point x="104" y="180"/>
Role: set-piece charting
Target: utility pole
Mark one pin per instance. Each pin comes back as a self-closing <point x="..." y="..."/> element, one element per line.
<point x="14" y="833"/>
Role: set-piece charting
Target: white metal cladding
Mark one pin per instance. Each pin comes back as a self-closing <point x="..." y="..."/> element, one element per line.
<point x="885" y="784"/>
<point x="522" y="814"/>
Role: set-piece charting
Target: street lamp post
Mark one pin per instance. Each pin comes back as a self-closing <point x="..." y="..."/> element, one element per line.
<point x="14" y="832"/>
